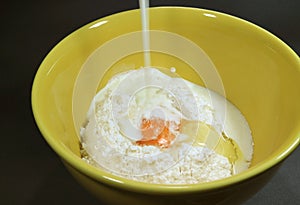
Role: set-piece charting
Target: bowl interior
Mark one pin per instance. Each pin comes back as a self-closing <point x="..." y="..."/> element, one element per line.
<point x="260" y="75"/>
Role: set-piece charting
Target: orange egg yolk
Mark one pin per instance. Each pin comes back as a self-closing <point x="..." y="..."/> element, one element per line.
<point x="157" y="132"/>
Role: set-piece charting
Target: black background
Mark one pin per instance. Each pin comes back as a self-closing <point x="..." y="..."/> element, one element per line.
<point x="30" y="172"/>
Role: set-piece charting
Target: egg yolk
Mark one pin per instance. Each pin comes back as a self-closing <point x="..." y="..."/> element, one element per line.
<point x="157" y="132"/>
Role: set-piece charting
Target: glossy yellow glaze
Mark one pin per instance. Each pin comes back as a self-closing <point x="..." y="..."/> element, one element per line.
<point x="260" y="74"/>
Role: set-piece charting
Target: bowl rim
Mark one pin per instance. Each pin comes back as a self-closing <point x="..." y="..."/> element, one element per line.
<point x="141" y="187"/>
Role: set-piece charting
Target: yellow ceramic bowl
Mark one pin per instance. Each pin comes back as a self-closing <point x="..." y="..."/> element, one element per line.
<point x="260" y="74"/>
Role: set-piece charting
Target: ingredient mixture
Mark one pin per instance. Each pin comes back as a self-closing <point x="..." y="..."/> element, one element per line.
<point x="148" y="126"/>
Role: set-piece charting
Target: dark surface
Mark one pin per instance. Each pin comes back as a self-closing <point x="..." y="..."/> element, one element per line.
<point x="31" y="173"/>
